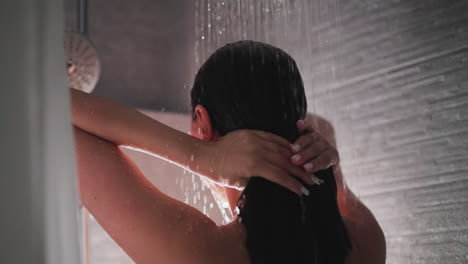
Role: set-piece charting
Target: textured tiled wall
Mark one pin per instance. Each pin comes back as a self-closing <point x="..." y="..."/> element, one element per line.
<point x="399" y="99"/>
<point x="392" y="76"/>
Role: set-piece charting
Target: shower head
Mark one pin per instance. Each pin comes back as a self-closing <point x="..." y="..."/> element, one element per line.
<point x="83" y="66"/>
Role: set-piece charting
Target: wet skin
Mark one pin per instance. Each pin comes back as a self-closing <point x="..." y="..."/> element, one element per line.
<point x="152" y="227"/>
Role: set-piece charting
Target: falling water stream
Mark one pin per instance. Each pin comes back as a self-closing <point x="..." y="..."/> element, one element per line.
<point x="391" y="77"/>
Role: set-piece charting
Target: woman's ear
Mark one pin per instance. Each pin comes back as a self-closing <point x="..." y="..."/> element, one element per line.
<point x="201" y="125"/>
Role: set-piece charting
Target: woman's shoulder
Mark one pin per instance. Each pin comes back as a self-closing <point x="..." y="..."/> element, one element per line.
<point x="233" y="239"/>
<point x="225" y="245"/>
<point x="368" y="241"/>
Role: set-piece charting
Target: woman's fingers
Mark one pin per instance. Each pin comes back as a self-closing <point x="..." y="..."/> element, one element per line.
<point x="281" y="177"/>
<point x="274" y="147"/>
<point x="305" y="140"/>
<point x="288" y="166"/>
<point x="269" y="156"/>
<point x="325" y="160"/>
<point x="312" y="150"/>
<point x="316" y="162"/>
<point x="273" y="138"/>
<point x="304" y="127"/>
<point x="311" y="146"/>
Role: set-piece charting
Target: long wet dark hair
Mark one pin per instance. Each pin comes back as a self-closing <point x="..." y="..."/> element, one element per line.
<point x="252" y="85"/>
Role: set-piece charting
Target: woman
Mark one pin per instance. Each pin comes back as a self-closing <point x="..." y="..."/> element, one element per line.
<point x="154" y="228"/>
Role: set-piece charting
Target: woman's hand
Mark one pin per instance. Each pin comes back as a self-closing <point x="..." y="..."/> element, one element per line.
<point x="242" y="154"/>
<point x="312" y="150"/>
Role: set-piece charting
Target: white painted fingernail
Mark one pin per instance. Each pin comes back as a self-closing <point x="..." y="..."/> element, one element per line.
<point x="296" y="147"/>
<point x="308" y="166"/>
<point x="296" y="157"/>
<point x="315" y="179"/>
<point x="305" y="191"/>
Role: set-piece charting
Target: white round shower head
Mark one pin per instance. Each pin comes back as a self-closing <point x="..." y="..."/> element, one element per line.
<point x="83" y="66"/>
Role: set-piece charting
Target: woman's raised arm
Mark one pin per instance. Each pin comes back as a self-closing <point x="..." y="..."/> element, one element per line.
<point x="125" y="126"/>
<point x="249" y="153"/>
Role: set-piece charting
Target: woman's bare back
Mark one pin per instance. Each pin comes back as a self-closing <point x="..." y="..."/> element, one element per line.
<point x="368" y="247"/>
